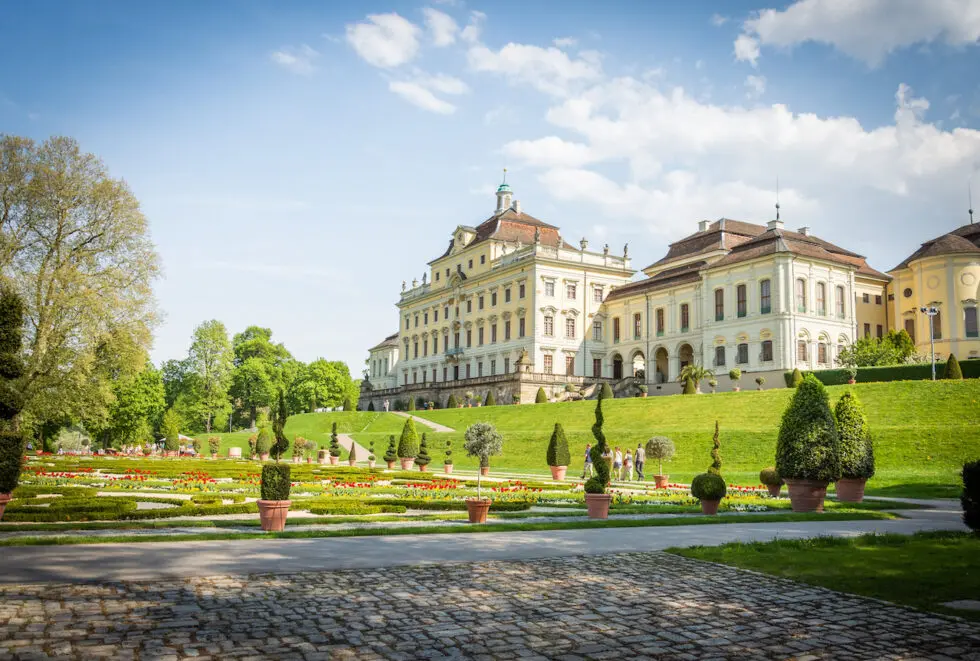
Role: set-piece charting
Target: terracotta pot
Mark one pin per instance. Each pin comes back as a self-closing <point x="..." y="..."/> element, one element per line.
<point x="850" y="490"/>
<point x="423" y="468"/>
<point x="391" y="465"/>
<point x="851" y="382"/>
<point x="407" y="463"/>
<point x="272" y="514"/>
<point x="321" y="456"/>
<point x="334" y="460"/>
<point x="661" y="481"/>
<point x="477" y="509"/>
<point x="643" y="394"/>
<point x="371" y="463"/>
<point x="351" y="462"/>
<point x="309" y="460"/>
<point x="598" y="505"/>
<point x="447" y="469"/>
<point x="710" y="506"/>
<point x="737" y="388"/>
<point x="214" y="455"/>
<point x="484" y="470"/>
<point x="4" y="499"/>
<point x="774" y="489"/>
<point x="297" y="460"/>
<point x="264" y="456"/>
<point x="807" y="495"/>
<point x="558" y="472"/>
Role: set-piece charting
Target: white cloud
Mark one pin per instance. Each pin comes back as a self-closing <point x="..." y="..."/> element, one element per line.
<point x="471" y="33"/>
<point x="298" y="60"/>
<point x="549" y="70"/>
<point x="747" y="49"/>
<point x="384" y="40"/>
<point x="565" y="42"/>
<point x="867" y="30"/>
<point x="441" y="26"/>
<point x="756" y="86"/>
<point x="718" y="20"/>
<point x="418" y="95"/>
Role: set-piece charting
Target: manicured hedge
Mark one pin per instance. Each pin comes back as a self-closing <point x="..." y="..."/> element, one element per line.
<point x="455" y="505"/>
<point x="356" y="509"/>
<point x="919" y="372"/>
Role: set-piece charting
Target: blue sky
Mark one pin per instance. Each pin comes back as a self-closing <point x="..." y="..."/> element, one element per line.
<point x="298" y="160"/>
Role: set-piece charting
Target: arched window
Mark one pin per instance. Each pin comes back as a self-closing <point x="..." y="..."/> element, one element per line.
<point x="822" y="353"/>
<point x="719" y="305"/>
<point x="767" y="351"/>
<point x="719" y="356"/>
<point x="801" y="351"/>
<point x="841" y="309"/>
<point x="800" y="295"/>
<point x="821" y="299"/>
<point x="742" y="357"/>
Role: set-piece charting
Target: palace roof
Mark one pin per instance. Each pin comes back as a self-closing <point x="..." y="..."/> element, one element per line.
<point x="962" y="240"/>
<point x="512" y="225"/>
<point x="679" y="275"/>
<point x="390" y="341"/>
<point x="723" y="234"/>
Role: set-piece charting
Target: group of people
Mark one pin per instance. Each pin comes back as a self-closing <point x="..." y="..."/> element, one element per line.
<point x="622" y="465"/>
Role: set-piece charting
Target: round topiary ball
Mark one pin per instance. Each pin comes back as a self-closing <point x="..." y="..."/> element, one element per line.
<point x="708" y="486"/>
<point x="770" y="478"/>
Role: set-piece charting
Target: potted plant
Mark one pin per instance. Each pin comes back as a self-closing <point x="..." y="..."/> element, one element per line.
<point x="469" y="399"/>
<point x="857" y="457"/>
<point x="253" y="444"/>
<point x="197" y="445"/>
<point x="311" y="450"/>
<point x="408" y="445"/>
<point x="692" y="375"/>
<point x="735" y="375"/>
<point x="299" y="445"/>
<point x="713" y="383"/>
<point x="422" y="459"/>
<point x="558" y="455"/>
<point x="643" y="390"/>
<point x="447" y="465"/>
<point x="334" y="445"/>
<point x="760" y="381"/>
<point x="274" y="501"/>
<point x="662" y="449"/>
<point x="321" y="457"/>
<point x="808" y="449"/>
<point x="214" y="444"/>
<point x="12" y="444"/>
<point x="451" y="403"/>
<point x="264" y="444"/>
<point x="371" y="457"/>
<point x="515" y="398"/>
<point x="709" y="488"/>
<point x="391" y="454"/>
<point x="481" y="440"/>
<point x="851" y="374"/>
<point x="596" y="499"/>
<point x="770" y="478"/>
<point x="352" y="457"/>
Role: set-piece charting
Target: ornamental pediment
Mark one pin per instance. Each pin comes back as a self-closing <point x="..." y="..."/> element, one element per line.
<point x="549" y="309"/>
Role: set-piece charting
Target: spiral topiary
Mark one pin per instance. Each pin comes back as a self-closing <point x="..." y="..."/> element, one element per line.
<point x="334" y="441"/>
<point x="600" y="480"/>
<point x="715" y="453"/>
<point x="391" y="454"/>
<point x="423" y="458"/>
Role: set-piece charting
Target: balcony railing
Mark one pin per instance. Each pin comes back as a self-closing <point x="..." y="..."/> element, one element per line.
<point x="455" y="351"/>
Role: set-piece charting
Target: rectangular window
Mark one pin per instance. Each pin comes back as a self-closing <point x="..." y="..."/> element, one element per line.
<point x="719" y="305"/>
<point x="685" y="317"/>
<point x="867" y="330"/>
<point x="445" y="313"/>
<point x="570" y="290"/>
<point x="970" y="322"/>
<point x="479" y="302"/>
<point x="549" y="325"/>
<point x="549" y="289"/>
<point x="493" y="367"/>
<point x="767" y="351"/>
<point x="434" y="369"/>
<point x="415" y="376"/>
<point x="521" y="326"/>
<point x="742" y="356"/>
<point x="801" y="352"/>
<point x="765" y="297"/>
<point x="467" y="370"/>
<point x="415" y="349"/>
<point x="435" y="315"/>
<point x="910" y="328"/>
<point x="570" y="328"/>
<point x="425" y="347"/>
<point x="800" y="295"/>
<point x="408" y="323"/>
<point x="483" y="259"/>
<point x="469" y="305"/>
<point x="437" y="280"/>
<point x="937" y="326"/>
<point x="637" y="326"/>
<point x="479" y="368"/>
<point x="416" y="321"/>
<point x="425" y="319"/>
<point x="660" y="321"/>
<point x="742" y="303"/>
<point x="457" y="312"/>
<point x="877" y="299"/>
<point x="821" y="299"/>
<point x="597" y="294"/>
<point x="469" y="338"/>
<point x="879" y="331"/>
<point x="507" y="295"/>
<point x="456" y="339"/>
<point x="493" y="333"/>
<point x="615" y="329"/>
<point x="493" y="299"/>
<point x="822" y="353"/>
<point x="435" y="345"/>
<point x="506" y="365"/>
<point x="521" y="288"/>
<point x="597" y="331"/>
<point x="865" y="298"/>
<point x="405" y="378"/>
<point x="548" y="363"/>
<point x="470" y="264"/>
<point x="479" y="336"/>
<point x="447" y="272"/>
<point x="841" y="311"/>
<point x="445" y="373"/>
<point x="719" y="356"/>
<point x="569" y="365"/>
<point x="506" y="330"/>
<point x="597" y="368"/>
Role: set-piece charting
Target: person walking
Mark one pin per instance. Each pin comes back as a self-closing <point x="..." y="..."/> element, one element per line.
<point x="587" y="469"/>
<point x="386" y="405"/>
<point x="639" y="458"/>
<point x="617" y="463"/>
<point x="628" y="467"/>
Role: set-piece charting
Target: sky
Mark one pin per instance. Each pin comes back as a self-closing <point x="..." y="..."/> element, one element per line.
<point x="298" y="160"/>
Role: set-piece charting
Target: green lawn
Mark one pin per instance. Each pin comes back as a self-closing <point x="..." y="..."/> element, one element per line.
<point x="922" y="570"/>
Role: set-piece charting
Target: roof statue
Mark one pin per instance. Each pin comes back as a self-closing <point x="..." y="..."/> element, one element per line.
<point x="626" y="250"/>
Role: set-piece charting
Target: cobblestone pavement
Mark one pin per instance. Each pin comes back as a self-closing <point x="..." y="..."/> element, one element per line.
<point x="625" y="606"/>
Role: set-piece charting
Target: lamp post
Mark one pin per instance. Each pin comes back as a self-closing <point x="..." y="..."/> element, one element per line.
<point x="931" y="312"/>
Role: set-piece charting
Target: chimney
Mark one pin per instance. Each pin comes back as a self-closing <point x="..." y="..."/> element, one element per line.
<point x="516" y="206"/>
<point x="805" y="231"/>
<point x="775" y="225"/>
<point x="703" y="226"/>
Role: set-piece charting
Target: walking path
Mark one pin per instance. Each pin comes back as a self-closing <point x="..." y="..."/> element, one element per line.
<point x="435" y="426"/>
<point x="346" y="442"/>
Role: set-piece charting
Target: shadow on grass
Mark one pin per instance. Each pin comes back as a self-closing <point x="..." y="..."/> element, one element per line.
<point x="924" y="490"/>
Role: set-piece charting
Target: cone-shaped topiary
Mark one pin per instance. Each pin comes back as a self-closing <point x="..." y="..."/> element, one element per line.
<point x="857" y="457"/>
<point x="353" y="453"/>
<point x="558" y="454"/>
<point x="275" y="482"/>
<point x="490" y="400"/>
<point x="264" y="442"/>
<point x="423" y="458"/>
<point x="11" y="401"/>
<point x="411" y="403"/>
<point x="715" y="453"/>
<point x="970" y="499"/>
<point x="348" y="404"/>
<point x="371" y="406"/>
<point x="452" y="403"/>
<point x="541" y="397"/>
<point x="281" y="443"/>
<point x="391" y="454"/>
<point x="808" y="447"/>
<point x="952" y="370"/>
<point x="170" y="427"/>
<point x="334" y="441"/>
<point x="606" y="391"/>
<point x="689" y="387"/>
<point x="449" y="453"/>
<point x="796" y="379"/>
<point x="598" y="482"/>
<point x="408" y="444"/>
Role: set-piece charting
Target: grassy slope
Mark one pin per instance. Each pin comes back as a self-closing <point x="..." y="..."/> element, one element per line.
<point x="924" y="431"/>
<point x="890" y="567"/>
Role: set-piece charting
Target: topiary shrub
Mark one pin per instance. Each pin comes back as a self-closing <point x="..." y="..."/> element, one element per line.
<point x="482" y="440"/>
<point x="214" y="444"/>
<point x="334" y="441"/>
<point x="715" y="453"/>
<point x="197" y="445"/>
<point x="689" y="387"/>
<point x="12" y="443"/>
<point x="264" y="442"/>
<point x="253" y="444"/>
<point x="857" y="457"/>
<point x="662" y="449"/>
<point x="371" y="456"/>
<point x="408" y="444"/>
<point x="971" y="495"/>
<point x="348" y="404"/>
<point x="708" y="486"/>
<point x="170" y="428"/>
<point x="541" y="397"/>
<point x="490" y="400"/>
<point x="452" y="403"/>
<point x="391" y="454"/>
<point x="952" y="370"/>
<point x="411" y="404"/>
<point x="760" y="381"/>
<point x="423" y="458"/>
<point x="449" y="453"/>
<point x="735" y="375"/>
<point x="808" y="447"/>
<point x="371" y="406"/>
<point x="600" y="480"/>
<point x="796" y="378"/>
<point x="770" y="478"/>
<point x="713" y="383"/>
<point x="281" y="443"/>
<point x="275" y="482"/>
<point x="606" y="392"/>
<point x="558" y="454"/>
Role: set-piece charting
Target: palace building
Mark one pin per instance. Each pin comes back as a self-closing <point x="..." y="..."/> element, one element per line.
<point x="510" y="307"/>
